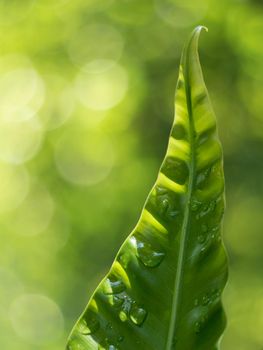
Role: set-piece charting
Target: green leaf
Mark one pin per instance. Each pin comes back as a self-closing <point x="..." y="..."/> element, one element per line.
<point x="164" y="288"/>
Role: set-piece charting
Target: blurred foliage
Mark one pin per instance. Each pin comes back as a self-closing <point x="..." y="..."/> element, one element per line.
<point x="86" y="103"/>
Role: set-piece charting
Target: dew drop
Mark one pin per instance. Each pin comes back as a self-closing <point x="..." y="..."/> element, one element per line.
<point x="113" y="285"/>
<point x="138" y="315"/>
<point x="201" y="238"/>
<point x="117" y="301"/>
<point x="164" y="205"/>
<point x="204" y="249"/>
<point x="109" y="326"/>
<point x="196" y="302"/>
<point x="149" y="256"/>
<point x="198" y="327"/>
<point x="217" y="293"/>
<point x="88" y="326"/>
<point x="112" y="347"/>
<point x="125" y="308"/>
<point x="160" y="190"/>
<point x="167" y="203"/>
<point x="120" y="339"/>
<point x="123" y="316"/>
<point x="107" y="347"/>
<point x="205" y="300"/>
<point x="195" y="204"/>
<point x="124" y="259"/>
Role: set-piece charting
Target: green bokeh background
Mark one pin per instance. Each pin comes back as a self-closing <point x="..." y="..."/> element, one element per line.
<point x="86" y="104"/>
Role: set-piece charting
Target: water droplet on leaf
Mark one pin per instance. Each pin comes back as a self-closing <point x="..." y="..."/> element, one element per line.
<point x="201" y="238"/>
<point x="137" y="315"/>
<point x="112" y="347"/>
<point x="164" y="205"/>
<point x="112" y="285"/>
<point x="205" y="300"/>
<point x="123" y="316"/>
<point x="195" y="204"/>
<point x="109" y="326"/>
<point x="117" y="301"/>
<point x="89" y="325"/>
<point x="120" y="339"/>
<point x="197" y="327"/>
<point x="124" y="259"/>
<point x="196" y="302"/>
<point x="148" y="255"/>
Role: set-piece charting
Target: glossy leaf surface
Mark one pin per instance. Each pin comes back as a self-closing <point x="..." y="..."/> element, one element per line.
<point x="163" y="291"/>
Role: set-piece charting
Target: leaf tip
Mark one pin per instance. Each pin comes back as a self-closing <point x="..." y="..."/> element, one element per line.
<point x="199" y="28"/>
<point x="192" y="44"/>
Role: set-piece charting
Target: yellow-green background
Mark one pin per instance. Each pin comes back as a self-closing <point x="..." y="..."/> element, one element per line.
<point x="86" y="103"/>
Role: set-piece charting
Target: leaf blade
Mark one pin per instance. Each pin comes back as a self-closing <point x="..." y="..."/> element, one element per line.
<point x="144" y="301"/>
<point x="206" y="151"/>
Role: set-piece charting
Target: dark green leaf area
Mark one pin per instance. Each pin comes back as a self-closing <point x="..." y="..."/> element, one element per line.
<point x="175" y="169"/>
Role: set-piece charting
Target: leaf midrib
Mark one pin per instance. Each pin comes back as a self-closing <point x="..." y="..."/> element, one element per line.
<point x="186" y="221"/>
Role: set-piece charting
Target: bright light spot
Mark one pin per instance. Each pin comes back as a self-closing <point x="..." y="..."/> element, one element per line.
<point x="56" y="234"/>
<point x="84" y="158"/>
<point x="179" y="13"/>
<point x="14" y="186"/>
<point x="21" y="94"/>
<point x="103" y="90"/>
<point x="95" y="42"/>
<point x="59" y="103"/>
<point x="10" y="287"/>
<point x="98" y="66"/>
<point x="133" y="241"/>
<point x="36" y="319"/>
<point x="19" y="142"/>
<point x="33" y="216"/>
